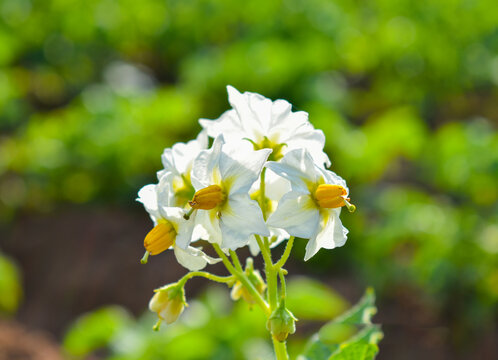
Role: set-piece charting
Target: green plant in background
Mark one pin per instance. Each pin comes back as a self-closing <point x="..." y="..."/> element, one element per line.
<point x="213" y="327"/>
<point x="10" y="286"/>
<point x="404" y="91"/>
<point x="262" y="182"/>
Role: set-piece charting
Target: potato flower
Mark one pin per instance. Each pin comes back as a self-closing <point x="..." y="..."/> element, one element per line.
<point x="222" y="177"/>
<point x="311" y="209"/>
<point x="170" y="227"/>
<point x="177" y="162"/>
<point x="267" y="124"/>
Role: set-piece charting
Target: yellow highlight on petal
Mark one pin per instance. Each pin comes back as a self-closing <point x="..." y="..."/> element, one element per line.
<point x="208" y="198"/>
<point x="160" y="238"/>
<point x="330" y="196"/>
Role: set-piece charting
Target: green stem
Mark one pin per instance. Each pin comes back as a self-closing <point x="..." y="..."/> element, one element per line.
<point x="271" y="276"/>
<point x="220" y="279"/>
<point x="236" y="260"/>
<point x="286" y="253"/>
<point x="243" y="279"/>
<point x="264" y="250"/>
<point x="283" y="288"/>
<point x="262" y="195"/>
<point x="280" y="349"/>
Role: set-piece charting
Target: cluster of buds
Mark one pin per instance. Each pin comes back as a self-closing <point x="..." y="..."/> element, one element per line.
<point x="263" y="180"/>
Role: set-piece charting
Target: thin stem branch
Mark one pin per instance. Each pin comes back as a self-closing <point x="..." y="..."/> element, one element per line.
<point x="264" y="250"/>
<point x="243" y="279"/>
<point x="286" y="253"/>
<point x="212" y="277"/>
<point x="283" y="288"/>
<point x="236" y="260"/>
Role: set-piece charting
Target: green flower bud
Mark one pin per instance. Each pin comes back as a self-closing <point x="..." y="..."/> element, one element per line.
<point x="240" y="291"/>
<point x="281" y="322"/>
<point x="168" y="302"/>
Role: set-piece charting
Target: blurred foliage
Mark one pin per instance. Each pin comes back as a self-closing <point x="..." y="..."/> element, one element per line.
<point x="10" y="286"/>
<point x="92" y="91"/>
<point x="213" y="327"/>
<point x="95" y="330"/>
<point x="349" y="336"/>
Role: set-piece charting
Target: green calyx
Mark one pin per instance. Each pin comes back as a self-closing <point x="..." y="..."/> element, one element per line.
<point x="281" y="322"/>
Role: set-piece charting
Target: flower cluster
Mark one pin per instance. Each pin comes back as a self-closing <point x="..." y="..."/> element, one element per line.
<point x="262" y="181"/>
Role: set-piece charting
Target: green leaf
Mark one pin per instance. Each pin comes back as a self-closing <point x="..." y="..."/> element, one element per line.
<point x="311" y="300"/>
<point x="10" y="286"/>
<point x="95" y="330"/>
<point x="349" y="335"/>
<point x="316" y="350"/>
<point x="356" y="351"/>
<point x="362" y="312"/>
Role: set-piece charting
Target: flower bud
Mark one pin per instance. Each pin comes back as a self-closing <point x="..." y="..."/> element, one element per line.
<point x="240" y="291"/>
<point x="208" y="198"/>
<point x="281" y="322"/>
<point x="168" y="302"/>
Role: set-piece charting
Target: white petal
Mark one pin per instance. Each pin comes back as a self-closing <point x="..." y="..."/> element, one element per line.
<point x="298" y="167"/>
<point x="240" y="218"/>
<point x="179" y="158"/>
<point x="297" y="214"/>
<point x="209" y="222"/>
<point x="240" y="172"/>
<point x="205" y="165"/>
<point x="184" y="228"/>
<point x="148" y="197"/>
<point x="228" y="125"/>
<point x="193" y="258"/>
<point x="332" y="178"/>
<point x="331" y="235"/>
<point x="307" y="137"/>
<point x="253" y="246"/>
<point x="253" y="110"/>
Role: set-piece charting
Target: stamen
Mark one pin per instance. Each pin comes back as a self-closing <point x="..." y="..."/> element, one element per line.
<point x="160" y="238"/>
<point x="208" y="198"/>
<point x="331" y="196"/>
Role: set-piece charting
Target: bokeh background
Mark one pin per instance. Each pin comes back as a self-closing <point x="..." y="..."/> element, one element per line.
<point x="92" y="91"/>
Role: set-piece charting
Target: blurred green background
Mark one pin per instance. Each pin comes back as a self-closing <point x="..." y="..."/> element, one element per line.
<point x="405" y="91"/>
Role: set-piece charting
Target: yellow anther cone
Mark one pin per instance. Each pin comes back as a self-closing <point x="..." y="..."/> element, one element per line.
<point x="208" y="198"/>
<point x="160" y="238"/>
<point x="330" y="196"/>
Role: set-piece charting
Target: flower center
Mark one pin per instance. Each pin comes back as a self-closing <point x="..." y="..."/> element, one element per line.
<point x="332" y="196"/>
<point x="160" y="238"/>
<point x="208" y="198"/>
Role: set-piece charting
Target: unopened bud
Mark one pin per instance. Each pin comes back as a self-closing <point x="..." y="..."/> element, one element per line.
<point x="281" y="322"/>
<point x="240" y="291"/>
<point x="168" y="302"/>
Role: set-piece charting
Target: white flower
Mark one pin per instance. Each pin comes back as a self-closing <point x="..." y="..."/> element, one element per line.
<point x="267" y="124"/>
<point x="170" y="227"/>
<point x="177" y="162"/>
<point x="311" y="210"/>
<point x="222" y="178"/>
